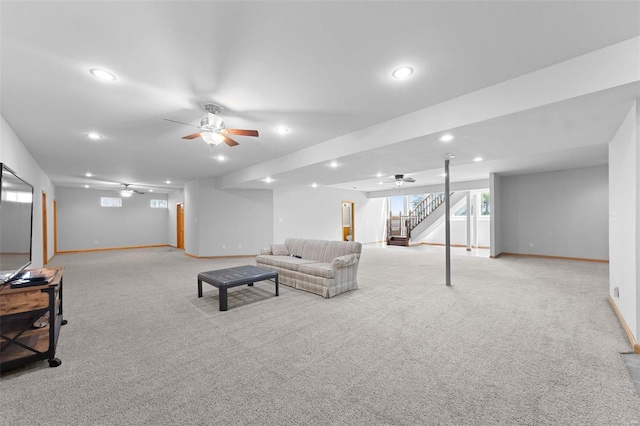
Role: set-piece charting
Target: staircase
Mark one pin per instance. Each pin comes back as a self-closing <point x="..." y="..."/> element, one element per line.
<point x="399" y="228"/>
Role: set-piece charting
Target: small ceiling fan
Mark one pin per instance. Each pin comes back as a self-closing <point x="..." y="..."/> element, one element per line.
<point x="399" y="180"/>
<point x="126" y="192"/>
<point x="212" y="129"/>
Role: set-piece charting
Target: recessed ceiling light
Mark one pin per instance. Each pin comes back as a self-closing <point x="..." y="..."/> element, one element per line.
<point x="151" y="190"/>
<point x="88" y="174"/>
<point x="402" y="73"/>
<point x="282" y="130"/>
<point x="314" y="185"/>
<point x="333" y="164"/>
<point x="268" y="179"/>
<point x="167" y="182"/>
<point x="477" y="159"/>
<point x="94" y="136"/>
<point x="380" y="183"/>
<point x="446" y="138"/>
<point x="442" y="175"/>
<point x="379" y="174"/>
<point x="102" y="74"/>
<point x="220" y="158"/>
<point x="86" y="186"/>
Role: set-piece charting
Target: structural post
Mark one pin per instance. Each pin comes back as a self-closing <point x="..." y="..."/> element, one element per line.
<point x="468" y="201"/>
<point x="447" y="223"/>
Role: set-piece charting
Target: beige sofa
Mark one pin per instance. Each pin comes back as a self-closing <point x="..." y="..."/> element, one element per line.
<point x="322" y="267"/>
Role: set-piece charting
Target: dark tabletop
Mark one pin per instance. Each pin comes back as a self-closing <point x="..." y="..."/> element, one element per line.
<point x="246" y="273"/>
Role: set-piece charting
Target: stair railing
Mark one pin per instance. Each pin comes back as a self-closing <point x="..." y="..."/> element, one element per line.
<point x="401" y="226"/>
<point x="424" y="209"/>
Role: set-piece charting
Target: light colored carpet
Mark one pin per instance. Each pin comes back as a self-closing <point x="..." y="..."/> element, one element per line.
<point x="514" y="341"/>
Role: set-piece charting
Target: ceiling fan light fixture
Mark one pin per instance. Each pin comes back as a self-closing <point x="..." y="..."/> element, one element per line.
<point x="126" y="193"/>
<point x="282" y="130"/>
<point x="446" y="137"/>
<point x="399" y="183"/>
<point x="212" y="138"/>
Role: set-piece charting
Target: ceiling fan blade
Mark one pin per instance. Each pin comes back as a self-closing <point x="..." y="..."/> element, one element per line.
<point x="229" y="141"/>
<point x="193" y="136"/>
<point x="240" y="132"/>
<point x="180" y="122"/>
<point x="409" y="179"/>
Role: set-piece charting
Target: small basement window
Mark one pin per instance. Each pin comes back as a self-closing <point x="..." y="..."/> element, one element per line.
<point x="110" y="202"/>
<point x="158" y="204"/>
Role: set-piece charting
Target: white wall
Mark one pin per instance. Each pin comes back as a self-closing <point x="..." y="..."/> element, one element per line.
<point x="174" y="198"/>
<point x="562" y="213"/>
<point x="459" y="232"/>
<point x="624" y="232"/>
<point x="226" y="222"/>
<point x="84" y="225"/>
<point x="317" y="213"/>
<point x="14" y="154"/>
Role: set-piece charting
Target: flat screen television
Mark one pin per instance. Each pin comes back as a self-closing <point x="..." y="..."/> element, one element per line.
<point x="16" y="222"/>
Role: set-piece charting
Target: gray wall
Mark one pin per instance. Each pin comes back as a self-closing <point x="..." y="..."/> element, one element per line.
<point x="317" y="213"/>
<point x="83" y="224"/>
<point x="560" y="213"/>
<point x="226" y="222"/>
<point x="624" y="220"/>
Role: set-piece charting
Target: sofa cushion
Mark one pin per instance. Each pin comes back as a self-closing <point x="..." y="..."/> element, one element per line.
<point x="317" y="269"/>
<point x="340" y="248"/>
<point x="286" y="262"/>
<point x="279" y="250"/>
<point x="307" y="249"/>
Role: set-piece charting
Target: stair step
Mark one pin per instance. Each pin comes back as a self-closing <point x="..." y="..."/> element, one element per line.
<point x="398" y="241"/>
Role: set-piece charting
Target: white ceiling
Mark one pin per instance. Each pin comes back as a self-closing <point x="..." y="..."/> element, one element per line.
<point x="322" y="69"/>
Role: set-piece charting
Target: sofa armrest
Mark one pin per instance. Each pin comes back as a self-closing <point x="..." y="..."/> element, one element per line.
<point x="344" y="261"/>
<point x="266" y="250"/>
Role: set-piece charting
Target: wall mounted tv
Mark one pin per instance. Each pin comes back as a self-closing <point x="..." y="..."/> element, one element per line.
<point x="16" y="219"/>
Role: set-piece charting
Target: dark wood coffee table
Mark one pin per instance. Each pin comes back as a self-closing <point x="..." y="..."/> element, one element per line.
<point x="232" y="277"/>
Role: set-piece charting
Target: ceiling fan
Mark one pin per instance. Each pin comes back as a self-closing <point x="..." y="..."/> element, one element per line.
<point x="126" y="192"/>
<point x="212" y="129"/>
<point x="399" y="180"/>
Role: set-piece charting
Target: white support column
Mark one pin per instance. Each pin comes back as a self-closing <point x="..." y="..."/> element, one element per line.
<point x="447" y="223"/>
<point x="476" y="215"/>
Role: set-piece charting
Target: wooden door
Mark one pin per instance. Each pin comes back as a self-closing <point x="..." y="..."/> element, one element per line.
<point x="45" y="254"/>
<point x="180" y="226"/>
<point x="55" y="227"/>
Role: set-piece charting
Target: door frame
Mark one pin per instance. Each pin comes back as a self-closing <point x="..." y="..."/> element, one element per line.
<point x="352" y="225"/>
<point x="45" y="252"/>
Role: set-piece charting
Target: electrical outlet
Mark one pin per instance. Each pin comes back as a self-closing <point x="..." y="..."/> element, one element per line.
<point x="224" y="247"/>
<point x="530" y="244"/>
<point x="239" y="245"/>
<point x="616" y="292"/>
<point x="95" y="242"/>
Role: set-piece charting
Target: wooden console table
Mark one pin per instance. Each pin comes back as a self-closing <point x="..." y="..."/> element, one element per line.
<point x="25" y="335"/>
